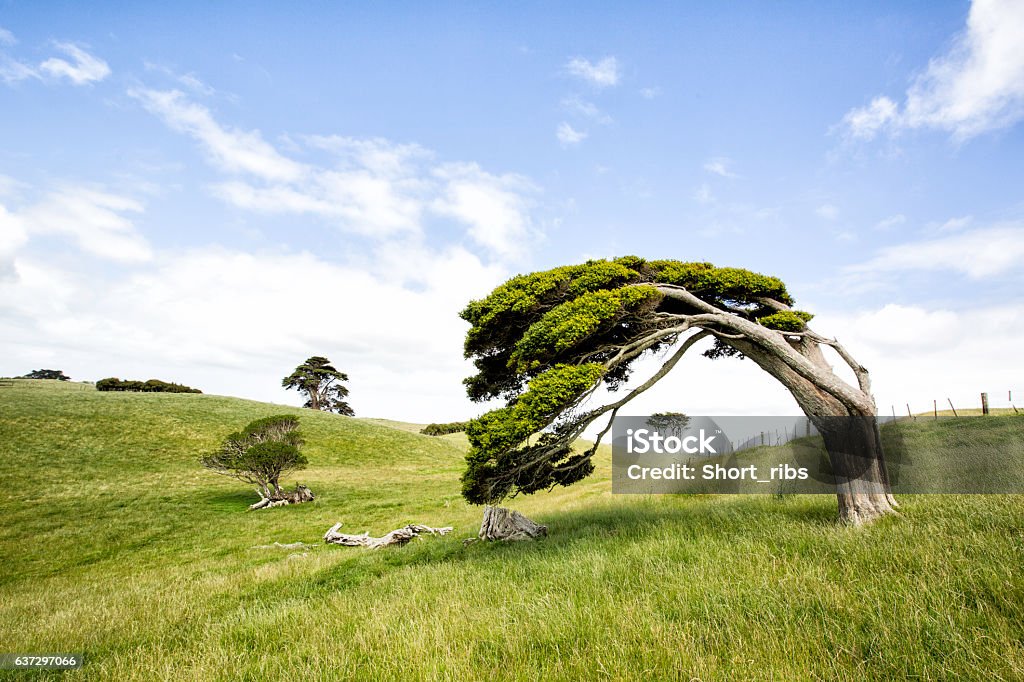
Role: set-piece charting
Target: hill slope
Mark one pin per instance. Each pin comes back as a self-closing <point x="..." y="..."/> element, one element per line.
<point x="115" y="542"/>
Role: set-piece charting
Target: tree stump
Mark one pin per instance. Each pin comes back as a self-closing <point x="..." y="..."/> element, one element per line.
<point x="397" y="537"/>
<point x="283" y="497"/>
<point x="506" y="524"/>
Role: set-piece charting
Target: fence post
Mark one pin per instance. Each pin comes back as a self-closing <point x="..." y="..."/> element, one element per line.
<point x="935" y="408"/>
<point x="951" y="407"/>
<point x="984" y="403"/>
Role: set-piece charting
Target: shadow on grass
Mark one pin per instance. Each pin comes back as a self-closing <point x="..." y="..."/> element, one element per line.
<point x="738" y="520"/>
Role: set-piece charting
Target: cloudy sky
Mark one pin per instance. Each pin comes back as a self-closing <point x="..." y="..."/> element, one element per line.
<point x="210" y="194"/>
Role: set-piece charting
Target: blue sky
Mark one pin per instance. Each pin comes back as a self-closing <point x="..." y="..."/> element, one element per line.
<point x="210" y="194"/>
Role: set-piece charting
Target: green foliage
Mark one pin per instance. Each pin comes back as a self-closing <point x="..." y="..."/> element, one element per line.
<point x="580" y="316"/>
<point x="496" y="436"/>
<point x="53" y="374"/>
<point x="444" y="429"/>
<point x="261" y="452"/>
<point x="149" y="386"/>
<point x="322" y="385"/>
<point x="562" y="315"/>
<point x="568" y="324"/>
<point x="787" y="320"/>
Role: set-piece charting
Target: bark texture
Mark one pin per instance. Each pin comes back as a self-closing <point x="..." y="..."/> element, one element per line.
<point x="397" y="537"/>
<point x="280" y="498"/>
<point x="506" y="524"/>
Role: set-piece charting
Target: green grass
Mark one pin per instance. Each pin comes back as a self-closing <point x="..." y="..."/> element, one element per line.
<point x="114" y="542"/>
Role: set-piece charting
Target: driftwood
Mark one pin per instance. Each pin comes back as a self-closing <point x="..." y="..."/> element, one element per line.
<point x="278" y="545"/>
<point x="399" y="536"/>
<point x="283" y="497"/>
<point x="506" y="524"/>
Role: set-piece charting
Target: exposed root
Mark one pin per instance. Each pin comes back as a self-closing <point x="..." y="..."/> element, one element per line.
<point x="399" y="536"/>
<point x="283" y="497"/>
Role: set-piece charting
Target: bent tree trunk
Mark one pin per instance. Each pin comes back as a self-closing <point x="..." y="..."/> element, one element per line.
<point x="848" y="426"/>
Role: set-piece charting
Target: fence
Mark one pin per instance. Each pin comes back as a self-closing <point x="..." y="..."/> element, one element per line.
<point x="984" y="404"/>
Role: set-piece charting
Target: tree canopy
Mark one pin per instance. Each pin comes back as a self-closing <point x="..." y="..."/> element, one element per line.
<point x="260" y="453"/>
<point x="322" y="385"/>
<point x="47" y="374"/>
<point x="545" y="342"/>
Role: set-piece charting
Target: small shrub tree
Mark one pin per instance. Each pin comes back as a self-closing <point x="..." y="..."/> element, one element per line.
<point x="260" y="454"/>
<point x="668" y="422"/>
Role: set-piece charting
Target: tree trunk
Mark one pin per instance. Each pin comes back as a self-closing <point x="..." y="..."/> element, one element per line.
<point x="500" y="523"/>
<point x="280" y="498"/>
<point x="849" y="431"/>
<point x="862" y="481"/>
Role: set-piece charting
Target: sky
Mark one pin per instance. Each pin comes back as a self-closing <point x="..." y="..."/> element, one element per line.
<point x="211" y="193"/>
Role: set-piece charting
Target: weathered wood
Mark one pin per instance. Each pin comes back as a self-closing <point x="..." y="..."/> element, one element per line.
<point x="281" y="498"/>
<point x="399" y="536"/>
<point x="500" y="523"/>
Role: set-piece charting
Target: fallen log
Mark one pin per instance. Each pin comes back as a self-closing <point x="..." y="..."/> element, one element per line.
<point x="283" y="497"/>
<point x="509" y="525"/>
<point x="399" y="536"/>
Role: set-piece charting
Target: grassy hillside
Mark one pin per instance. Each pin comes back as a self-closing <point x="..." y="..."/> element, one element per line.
<point x="115" y="542"/>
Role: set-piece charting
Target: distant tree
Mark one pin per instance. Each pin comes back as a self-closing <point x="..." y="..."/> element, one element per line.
<point x="260" y="454"/>
<point x="668" y="422"/>
<point x="150" y="386"/>
<point x="322" y="385"/>
<point x="443" y="429"/>
<point x="47" y="374"/>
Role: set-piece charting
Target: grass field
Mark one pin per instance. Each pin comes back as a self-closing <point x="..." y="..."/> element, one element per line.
<point x="115" y="543"/>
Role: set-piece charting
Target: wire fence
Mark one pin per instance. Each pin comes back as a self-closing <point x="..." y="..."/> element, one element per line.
<point x="983" y="403"/>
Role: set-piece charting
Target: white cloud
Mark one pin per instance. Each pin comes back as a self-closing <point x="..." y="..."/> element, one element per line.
<point x="602" y="74"/>
<point x="650" y="93"/>
<point x="916" y="354"/>
<point x="703" y="194"/>
<point x="569" y="136"/>
<point x="6" y="37"/>
<point x="581" y="107"/>
<point x="827" y="211"/>
<point x="720" y="166"/>
<point x="85" y="69"/>
<point x="94" y="219"/>
<point x="865" y="123"/>
<point x="491" y="206"/>
<point x="955" y="224"/>
<point x="891" y="222"/>
<point x="12" y="71"/>
<point x="976" y="87"/>
<point x="230" y="149"/>
<point x="12" y="237"/>
<point x="209" y="318"/>
<point x="978" y="254"/>
<point x="372" y="186"/>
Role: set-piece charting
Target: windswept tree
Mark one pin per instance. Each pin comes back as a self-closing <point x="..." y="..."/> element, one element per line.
<point x="322" y="385"/>
<point x="547" y="341"/>
<point x="668" y="422"/>
<point x="54" y="374"/>
<point x="260" y="454"/>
